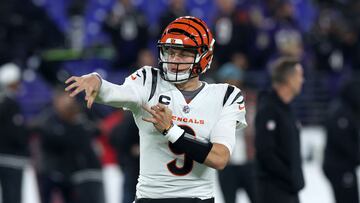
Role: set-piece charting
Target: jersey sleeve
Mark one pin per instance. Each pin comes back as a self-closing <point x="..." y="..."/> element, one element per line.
<point x="130" y="95"/>
<point x="232" y="117"/>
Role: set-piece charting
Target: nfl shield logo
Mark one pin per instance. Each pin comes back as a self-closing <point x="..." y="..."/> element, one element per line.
<point x="186" y="109"/>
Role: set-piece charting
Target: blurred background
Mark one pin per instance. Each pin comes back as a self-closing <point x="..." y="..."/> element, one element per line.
<point x="49" y="40"/>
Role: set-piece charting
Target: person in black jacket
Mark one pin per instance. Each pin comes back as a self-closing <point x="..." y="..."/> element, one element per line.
<point x="279" y="174"/>
<point x="124" y="137"/>
<point x="69" y="163"/>
<point x="342" y="151"/>
<point x="14" y="136"/>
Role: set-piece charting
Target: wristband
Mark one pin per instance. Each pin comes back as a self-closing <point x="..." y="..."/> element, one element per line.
<point x="174" y="133"/>
<point x="165" y="131"/>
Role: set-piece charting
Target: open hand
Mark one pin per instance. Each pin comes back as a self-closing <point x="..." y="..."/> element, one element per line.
<point x="161" y="116"/>
<point x="89" y="83"/>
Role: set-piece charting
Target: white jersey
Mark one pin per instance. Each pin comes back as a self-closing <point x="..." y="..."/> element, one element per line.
<point x="211" y="116"/>
<point x="239" y="152"/>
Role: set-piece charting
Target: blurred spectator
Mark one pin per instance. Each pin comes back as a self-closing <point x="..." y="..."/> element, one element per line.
<point x="262" y="45"/>
<point x="76" y="32"/>
<point x="70" y="163"/>
<point x="334" y="37"/>
<point x="233" y="31"/>
<point x="175" y="9"/>
<point x="14" y="136"/>
<point x="285" y="14"/>
<point x="289" y="43"/>
<point x="145" y="58"/>
<point x="127" y="27"/>
<point x="342" y="152"/>
<point x="239" y="173"/>
<point x="25" y="32"/>
<point x="352" y="40"/>
<point x="277" y="32"/>
<point x="287" y="35"/>
<point x="277" y="141"/>
<point x="325" y="40"/>
<point x="25" y="29"/>
<point x="233" y="72"/>
<point x="125" y="139"/>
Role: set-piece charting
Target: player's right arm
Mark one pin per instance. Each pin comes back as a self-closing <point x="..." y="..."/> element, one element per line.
<point x="101" y="91"/>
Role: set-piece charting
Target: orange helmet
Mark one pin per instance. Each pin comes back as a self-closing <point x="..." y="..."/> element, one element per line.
<point x="191" y="34"/>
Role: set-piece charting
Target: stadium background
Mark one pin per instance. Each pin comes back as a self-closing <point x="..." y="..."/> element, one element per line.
<point x="52" y="39"/>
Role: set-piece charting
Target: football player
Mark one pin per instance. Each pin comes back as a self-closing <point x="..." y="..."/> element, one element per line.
<point x="186" y="126"/>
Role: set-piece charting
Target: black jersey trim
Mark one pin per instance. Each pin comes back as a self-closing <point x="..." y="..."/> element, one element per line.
<point x="153" y="82"/>
<point x="236" y="97"/>
<point x="229" y="90"/>
<point x="144" y="74"/>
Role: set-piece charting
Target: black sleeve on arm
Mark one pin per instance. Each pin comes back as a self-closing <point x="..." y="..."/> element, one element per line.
<point x="192" y="147"/>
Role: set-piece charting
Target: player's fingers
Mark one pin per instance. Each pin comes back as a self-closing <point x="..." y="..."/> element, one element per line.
<point x="72" y="78"/>
<point x="154" y="108"/>
<point x="150" y="120"/>
<point x="149" y="110"/>
<point x="161" y="107"/>
<point x="90" y="94"/>
<point x="76" y="91"/>
<point x="72" y="86"/>
<point x="90" y="101"/>
<point x="159" y="113"/>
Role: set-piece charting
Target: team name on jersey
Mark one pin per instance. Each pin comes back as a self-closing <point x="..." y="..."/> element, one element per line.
<point x="188" y="120"/>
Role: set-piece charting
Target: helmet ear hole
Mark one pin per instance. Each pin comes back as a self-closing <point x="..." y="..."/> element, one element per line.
<point x="197" y="69"/>
<point x="204" y="49"/>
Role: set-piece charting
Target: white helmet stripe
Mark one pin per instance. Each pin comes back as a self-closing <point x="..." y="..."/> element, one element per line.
<point x="174" y="41"/>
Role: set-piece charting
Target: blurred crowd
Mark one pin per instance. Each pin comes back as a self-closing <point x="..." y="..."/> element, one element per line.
<point x="43" y="42"/>
<point x="50" y="40"/>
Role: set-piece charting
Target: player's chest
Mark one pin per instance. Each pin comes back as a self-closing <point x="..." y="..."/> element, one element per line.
<point x="197" y="116"/>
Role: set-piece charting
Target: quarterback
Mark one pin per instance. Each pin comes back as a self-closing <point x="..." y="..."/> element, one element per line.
<point x="186" y="126"/>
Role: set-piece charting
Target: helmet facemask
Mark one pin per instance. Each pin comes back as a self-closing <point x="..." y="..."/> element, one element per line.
<point x="176" y="71"/>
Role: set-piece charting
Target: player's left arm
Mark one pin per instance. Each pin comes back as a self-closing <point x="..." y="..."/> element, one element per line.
<point x="215" y="153"/>
<point x="223" y="134"/>
<point x="218" y="156"/>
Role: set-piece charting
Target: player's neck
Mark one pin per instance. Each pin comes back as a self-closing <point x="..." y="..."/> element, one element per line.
<point x="190" y="85"/>
<point x="285" y="93"/>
